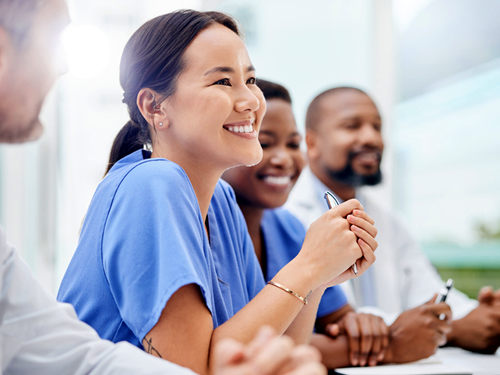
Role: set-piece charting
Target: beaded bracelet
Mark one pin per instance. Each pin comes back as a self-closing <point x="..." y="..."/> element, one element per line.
<point x="289" y="291"/>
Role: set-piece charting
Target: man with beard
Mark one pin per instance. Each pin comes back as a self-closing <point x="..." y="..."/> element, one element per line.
<point x="344" y="148"/>
<point x="37" y="334"/>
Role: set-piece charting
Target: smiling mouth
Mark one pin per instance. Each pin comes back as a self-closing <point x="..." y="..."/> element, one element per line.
<point x="239" y="128"/>
<point x="278" y="180"/>
<point x="245" y="126"/>
<point x="368" y="157"/>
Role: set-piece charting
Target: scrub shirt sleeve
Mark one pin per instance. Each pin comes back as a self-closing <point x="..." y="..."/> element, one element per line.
<point x="333" y="299"/>
<point x="153" y="243"/>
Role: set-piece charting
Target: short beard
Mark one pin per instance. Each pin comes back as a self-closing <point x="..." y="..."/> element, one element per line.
<point x="12" y="132"/>
<point x="349" y="177"/>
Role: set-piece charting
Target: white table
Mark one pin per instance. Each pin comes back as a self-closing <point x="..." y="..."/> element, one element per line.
<point x="445" y="361"/>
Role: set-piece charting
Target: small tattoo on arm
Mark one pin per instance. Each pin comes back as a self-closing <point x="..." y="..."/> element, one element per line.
<point x="149" y="348"/>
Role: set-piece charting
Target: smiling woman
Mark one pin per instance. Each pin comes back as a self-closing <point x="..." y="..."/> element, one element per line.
<point x="165" y="260"/>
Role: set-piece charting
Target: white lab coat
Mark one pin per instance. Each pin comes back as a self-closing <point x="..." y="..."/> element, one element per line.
<point x="40" y="336"/>
<point x="403" y="277"/>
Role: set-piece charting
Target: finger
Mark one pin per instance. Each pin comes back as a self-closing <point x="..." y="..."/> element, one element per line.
<point x="263" y="336"/>
<point x="485" y="295"/>
<point x="273" y="355"/>
<point x="362" y="223"/>
<point x="352" y="330"/>
<point x="347" y="207"/>
<point x="332" y="330"/>
<point x="365" y="236"/>
<point x="228" y="352"/>
<point x="440" y="338"/>
<point x="366" y="338"/>
<point x="311" y="368"/>
<point x="385" y="339"/>
<point x="368" y="257"/>
<point x="301" y="355"/>
<point x="440" y="308"/>
<point x="377" y="342"/>
<point x="363" y="215"/>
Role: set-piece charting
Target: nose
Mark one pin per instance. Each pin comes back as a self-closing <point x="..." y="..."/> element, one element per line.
<point x="246" y="100"/>
<point x="371" y="136"/>
<point x="281" y="158"/>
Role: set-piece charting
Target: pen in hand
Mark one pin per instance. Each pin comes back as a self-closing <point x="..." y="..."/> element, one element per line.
<point x="443" y="294"/>
<point x="331" y="201"/>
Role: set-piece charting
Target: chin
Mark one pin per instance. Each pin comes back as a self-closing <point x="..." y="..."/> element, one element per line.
<point x="254" y="158"/>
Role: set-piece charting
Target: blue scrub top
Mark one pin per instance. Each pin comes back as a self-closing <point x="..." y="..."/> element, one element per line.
<point x="144" y="238"/>
<point x="283" y="237"/>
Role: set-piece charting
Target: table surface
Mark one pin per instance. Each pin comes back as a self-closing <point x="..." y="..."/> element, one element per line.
<point x="445" y="361"/>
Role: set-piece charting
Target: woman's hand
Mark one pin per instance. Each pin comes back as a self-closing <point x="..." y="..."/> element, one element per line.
<point x="341" y="236"/>
<point x="266" y="354"/>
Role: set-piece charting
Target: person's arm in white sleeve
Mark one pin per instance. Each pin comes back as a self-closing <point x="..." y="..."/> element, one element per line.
<point x="42" y="336"/>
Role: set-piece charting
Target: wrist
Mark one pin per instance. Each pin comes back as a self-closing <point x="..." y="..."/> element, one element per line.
<point x="298" y="277"/>
<point x="452" y="338"/>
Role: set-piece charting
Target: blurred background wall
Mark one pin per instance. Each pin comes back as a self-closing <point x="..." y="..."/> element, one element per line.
<point x="432" y="66"/>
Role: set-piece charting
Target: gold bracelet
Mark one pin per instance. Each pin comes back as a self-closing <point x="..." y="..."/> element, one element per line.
<point x="289" y="291"/>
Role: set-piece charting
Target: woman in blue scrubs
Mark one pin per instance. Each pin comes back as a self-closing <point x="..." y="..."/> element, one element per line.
<point x="277" y="235"/>
<point x="164" y="258"/>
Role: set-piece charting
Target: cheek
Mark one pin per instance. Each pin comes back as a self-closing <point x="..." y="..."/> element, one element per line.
<point x="298" y="161"/>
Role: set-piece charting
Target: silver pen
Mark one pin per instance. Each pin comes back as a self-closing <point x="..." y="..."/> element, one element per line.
<point x="331" y="201"/>
<point x="443" y="294"/>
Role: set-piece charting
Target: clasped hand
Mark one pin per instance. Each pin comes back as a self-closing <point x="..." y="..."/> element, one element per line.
<point x="342" y="236"/>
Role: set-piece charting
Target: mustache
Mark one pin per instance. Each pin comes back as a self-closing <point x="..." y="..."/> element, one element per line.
<point x="375" y="150"/>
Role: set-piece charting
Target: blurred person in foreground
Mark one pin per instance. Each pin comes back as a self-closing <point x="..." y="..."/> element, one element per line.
<point x="344" y="149"/>
<point x="37" y="334"/>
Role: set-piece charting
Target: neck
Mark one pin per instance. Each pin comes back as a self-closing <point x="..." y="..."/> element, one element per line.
<point x="253" y="217"/>
<point x="202" y="178"/>
<point x="343" y="191"/>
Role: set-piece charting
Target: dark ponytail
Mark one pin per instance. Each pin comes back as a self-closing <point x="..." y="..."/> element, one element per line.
<point x="152" y="59"/>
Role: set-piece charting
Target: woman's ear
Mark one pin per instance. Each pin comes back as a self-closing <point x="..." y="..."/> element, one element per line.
<point x="148" y="102"/>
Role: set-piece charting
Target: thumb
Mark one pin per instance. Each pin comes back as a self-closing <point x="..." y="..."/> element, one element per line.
<point x="332" y="330"/>
<point x="485" y="295"/>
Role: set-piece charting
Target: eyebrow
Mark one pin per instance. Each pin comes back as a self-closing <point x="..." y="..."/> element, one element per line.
<point x="226" y="69"/>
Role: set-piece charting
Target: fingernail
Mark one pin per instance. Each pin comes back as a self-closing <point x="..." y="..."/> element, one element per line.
<point x="354" y="228"/>
<point x="356" y="212"/>
<point x="351" y="219"/>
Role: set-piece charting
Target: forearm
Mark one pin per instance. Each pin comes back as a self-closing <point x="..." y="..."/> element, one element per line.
<point x="334" y="351"/>
<point x="302" y="326"/>
<point x="276" y="308"/>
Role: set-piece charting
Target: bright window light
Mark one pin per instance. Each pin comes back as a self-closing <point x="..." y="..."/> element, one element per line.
<point x="87" y="50"/>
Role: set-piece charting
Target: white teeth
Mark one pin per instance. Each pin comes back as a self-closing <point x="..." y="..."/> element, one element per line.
<point x="240" y="129"/>
<point x="276" y="180"/>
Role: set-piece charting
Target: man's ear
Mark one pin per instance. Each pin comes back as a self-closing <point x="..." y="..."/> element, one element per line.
<point x="312" y="144"/>
<point x="149" y="103"/>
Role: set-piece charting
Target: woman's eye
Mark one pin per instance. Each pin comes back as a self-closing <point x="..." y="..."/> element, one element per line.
<point x="223" y="82"/>
<point x="251" y="81"/>
<point x="264" y="145"/>
<point x="294" y="145"/>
